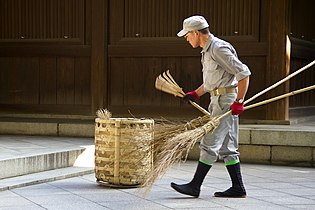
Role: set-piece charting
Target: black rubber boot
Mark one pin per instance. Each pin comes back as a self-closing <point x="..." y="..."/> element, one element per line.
<point x="237" y="190"/>
<point x="193" y="188"/>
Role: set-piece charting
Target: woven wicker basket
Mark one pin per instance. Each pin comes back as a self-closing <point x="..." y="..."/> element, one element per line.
<point x="123" y="150"/>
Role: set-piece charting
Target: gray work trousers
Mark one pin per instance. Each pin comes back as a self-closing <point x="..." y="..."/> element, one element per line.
<point x="223" y="142"/>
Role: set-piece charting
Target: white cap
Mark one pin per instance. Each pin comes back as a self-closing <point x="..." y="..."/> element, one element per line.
<point x="193" y="23"/>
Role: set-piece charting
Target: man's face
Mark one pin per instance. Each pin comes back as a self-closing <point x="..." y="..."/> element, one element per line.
<point x="193" y="38"/>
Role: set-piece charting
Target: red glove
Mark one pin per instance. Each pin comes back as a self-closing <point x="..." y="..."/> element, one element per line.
<point x="191" y="96"/>
<point x="237" y="108"/>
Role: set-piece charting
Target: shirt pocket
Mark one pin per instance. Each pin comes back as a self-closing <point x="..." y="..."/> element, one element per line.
<point x="211" y="73"/>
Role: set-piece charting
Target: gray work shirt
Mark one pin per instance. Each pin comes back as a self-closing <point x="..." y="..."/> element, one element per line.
<point x="221" y="66"/>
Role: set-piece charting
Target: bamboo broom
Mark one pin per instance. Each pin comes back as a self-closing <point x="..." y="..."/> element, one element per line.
<point x="180" y="144"/>
<point x="274" y="85"/>
<point x="166" y="83"/>
<point x="281" y="81"/>
<point x="162" y="138"/>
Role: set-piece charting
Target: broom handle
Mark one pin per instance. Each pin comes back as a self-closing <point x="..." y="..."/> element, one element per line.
<point x="260" y="93"/>
<point x="271" y="100"/>
<point x="199" y="108"/>
<point x="171" y="79"/>
<point x="280" y="82"/>
<point x="280" y="97"/>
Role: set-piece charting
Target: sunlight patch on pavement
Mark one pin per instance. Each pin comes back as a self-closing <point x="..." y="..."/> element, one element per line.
<point x="86" y="159"/>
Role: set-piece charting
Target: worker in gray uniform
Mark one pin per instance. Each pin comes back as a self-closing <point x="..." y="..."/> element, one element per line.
<point x="226" y="78"/>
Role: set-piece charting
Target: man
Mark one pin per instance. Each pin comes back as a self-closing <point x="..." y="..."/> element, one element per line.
<point x="226" y="78"/>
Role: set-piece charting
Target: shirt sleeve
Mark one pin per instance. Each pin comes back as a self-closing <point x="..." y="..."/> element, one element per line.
<point x="224" y="56"/>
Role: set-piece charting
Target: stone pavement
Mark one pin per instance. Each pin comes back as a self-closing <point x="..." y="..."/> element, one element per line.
<point x="268" y="187"/>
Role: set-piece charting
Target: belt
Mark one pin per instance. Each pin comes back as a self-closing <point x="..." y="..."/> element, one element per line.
<point x="221" y="91"/>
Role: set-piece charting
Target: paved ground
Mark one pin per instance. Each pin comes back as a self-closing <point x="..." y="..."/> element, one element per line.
<point x="268" y="187"/>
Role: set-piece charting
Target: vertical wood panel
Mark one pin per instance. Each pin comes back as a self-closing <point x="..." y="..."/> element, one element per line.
<point x="302" y="19"/>
<point x="190" y="76"/>
<point x="65" y="80"/>
<point x="305" y="79"/>
<point x="42" y="19"/>
<point x="24" y="81"/>
<point x="132" y="81"/>
<point x="225" y="16"/>
<point x="98" y="61"/>
<point x="82" y="81"/>
<point x="48" y="80"/>
<point x="145" y="70"/>
<point x="116" y="90"/>
<point x="5" y="67"/>
<point x="116" y="14"/>
<point x="134" y="91"/>
<point x="277" y="59"/>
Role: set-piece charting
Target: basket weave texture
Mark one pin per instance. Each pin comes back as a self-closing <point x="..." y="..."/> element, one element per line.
<point x="123" y="150"/>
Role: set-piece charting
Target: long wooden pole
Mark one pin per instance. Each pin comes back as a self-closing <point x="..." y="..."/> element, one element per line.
<point x="280" y="82"/>
<point x="272" y="100"/>
<point x="280" y="97"/>
<point x="168" y="78"/>
<point x="273" y="86"/>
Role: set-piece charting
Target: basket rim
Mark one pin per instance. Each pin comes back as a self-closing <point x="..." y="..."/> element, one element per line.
<point x="124" y="120"/>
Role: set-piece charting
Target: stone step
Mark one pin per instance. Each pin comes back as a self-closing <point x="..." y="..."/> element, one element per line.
<point x="28" y="160"/>
<point x="21" y="155"/>
<point x="37" y="163"/>
<point x="43" y="177"/>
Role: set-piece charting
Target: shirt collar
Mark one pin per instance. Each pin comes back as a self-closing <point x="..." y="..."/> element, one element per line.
<point x="208" y="43"/>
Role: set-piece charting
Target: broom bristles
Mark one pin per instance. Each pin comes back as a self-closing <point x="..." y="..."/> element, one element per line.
<point x="171" y="82"/>
<point x="103" y="114"/>
<point x="178" y="141"/>
<point x="163" y="85"/>
<point x="171" y="78"/>
<point x="176" y="149"/>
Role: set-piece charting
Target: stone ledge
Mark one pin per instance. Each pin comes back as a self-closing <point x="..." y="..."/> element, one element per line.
<point x="255" y="153"/>
<point x="28" y="128"/>
<point x="267" y="154"/>
<point x="283" y="138"/>
<point x="48" y="129"/>
<point x="285" y="155"/>
<point x="244" y="136"/>
<point x="32" y="164"/>
<point x="80" y="130"/>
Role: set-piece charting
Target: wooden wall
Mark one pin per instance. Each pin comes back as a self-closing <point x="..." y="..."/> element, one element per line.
<point x="75" y="56"/>
<point x="45" y="60"/>
<point x="143" y="44"/>
<point x="303" y="51"/>
<point x="42" y="20"/>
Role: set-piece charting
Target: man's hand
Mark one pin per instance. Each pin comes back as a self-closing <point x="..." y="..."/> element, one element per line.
<point x="191" y="96"/>
<point x="237" y="108"/>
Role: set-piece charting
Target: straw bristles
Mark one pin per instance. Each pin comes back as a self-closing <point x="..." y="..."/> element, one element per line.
<point x="164" y="85"/>
<point x="173" y="144"/>
<point x="103" y="114"/>
<point x="177" y="147"/>
<point x="166" y="130"/>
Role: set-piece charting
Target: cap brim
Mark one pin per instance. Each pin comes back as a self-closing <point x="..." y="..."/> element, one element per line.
<point x="182" y="33"/>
